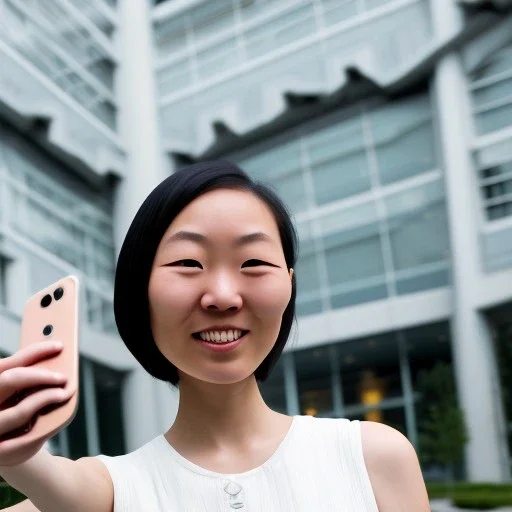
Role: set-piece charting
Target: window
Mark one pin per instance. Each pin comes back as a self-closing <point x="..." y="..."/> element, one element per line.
<point x="273" y="389"/>
<point x="376" y="378"/>
<point x="289" y="27"/>
<point x="419" y="237"/>
<point x="403" y="138"/>
<point x="51" y="38"/>
<point x="314" y="381"/>
<point x="353" y="255"/>
<point x="491" y="91"/>
<point x="281" y="167"/>
<point x="308" y="282"/>
<point x="108" y="389"/>
<point x="338" y="161"/>
<point x="496" y="190"/>
<point x="325" y="174"/>
<point x="62" y="215"/>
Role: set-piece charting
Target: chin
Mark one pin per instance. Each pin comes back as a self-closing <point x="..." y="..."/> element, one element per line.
<point x="223" y="377"/>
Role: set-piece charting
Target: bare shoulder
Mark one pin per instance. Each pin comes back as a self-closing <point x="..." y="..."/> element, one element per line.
<point x="393" y="469"/>
<point x="96" y="479"/>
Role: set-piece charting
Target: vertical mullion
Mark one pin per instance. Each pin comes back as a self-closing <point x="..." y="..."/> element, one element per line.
<point x="336" y="383"/>
<point x="407" y="388"/>
<point x="91" y="411"/>
<point x="290" y="385"/>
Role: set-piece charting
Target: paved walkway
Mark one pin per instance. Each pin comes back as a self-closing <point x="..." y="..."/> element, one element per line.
<point x="444" y="506"/>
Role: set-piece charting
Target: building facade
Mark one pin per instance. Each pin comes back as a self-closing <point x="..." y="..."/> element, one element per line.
<point x="386" y="127"/>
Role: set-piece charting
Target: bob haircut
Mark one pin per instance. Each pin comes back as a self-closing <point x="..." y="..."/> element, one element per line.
<point x="164" y="203"/>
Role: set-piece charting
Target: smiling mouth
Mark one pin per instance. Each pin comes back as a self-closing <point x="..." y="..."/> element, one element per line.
<point x="220" y="337"/>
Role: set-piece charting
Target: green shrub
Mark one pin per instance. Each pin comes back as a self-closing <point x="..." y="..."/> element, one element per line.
<point x="483" y="496"/>
<point x="483" y="500"/>
<point x="439" y="489"/>
<point x="9" y="496"/>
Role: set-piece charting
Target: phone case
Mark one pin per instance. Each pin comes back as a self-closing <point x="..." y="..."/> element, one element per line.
<point x="57" y="321"/>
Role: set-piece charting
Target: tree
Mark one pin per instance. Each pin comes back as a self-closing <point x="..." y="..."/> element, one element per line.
<point x="442" y="429"/>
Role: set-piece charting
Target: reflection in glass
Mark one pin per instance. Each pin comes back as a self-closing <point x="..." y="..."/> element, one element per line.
<point x="273" y="389"/>
<point x="108" y="389"/>
<point x="370" y="374"/>
<point x="313" y="368"/>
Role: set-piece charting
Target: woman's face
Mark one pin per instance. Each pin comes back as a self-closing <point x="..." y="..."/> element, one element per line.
<point x="219" y="287"/>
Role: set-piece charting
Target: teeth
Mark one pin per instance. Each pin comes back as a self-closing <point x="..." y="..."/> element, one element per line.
<point x="220" y="336"/>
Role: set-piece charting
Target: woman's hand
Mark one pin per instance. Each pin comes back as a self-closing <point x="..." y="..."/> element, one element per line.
<point x="25" y="390"/>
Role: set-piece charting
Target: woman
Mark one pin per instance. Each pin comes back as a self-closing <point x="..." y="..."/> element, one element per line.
<point x="205" y="299"/>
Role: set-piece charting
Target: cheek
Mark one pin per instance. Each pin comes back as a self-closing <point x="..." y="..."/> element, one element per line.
<point x="169" y="299"/>
<point x="272" y="297"/>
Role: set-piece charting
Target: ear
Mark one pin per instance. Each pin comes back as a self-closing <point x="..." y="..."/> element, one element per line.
<point x="290" y="272"/>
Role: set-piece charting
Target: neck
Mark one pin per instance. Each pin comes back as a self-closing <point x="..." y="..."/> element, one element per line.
<point x="221" y="414"/>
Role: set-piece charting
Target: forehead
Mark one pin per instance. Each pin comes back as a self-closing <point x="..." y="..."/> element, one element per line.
<point x="227" y="210"/>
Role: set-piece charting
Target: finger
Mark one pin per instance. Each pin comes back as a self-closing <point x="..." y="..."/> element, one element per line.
<point x="18" y="416"/>
<point x="21" y="378"/>
<point x="31" y="354"/>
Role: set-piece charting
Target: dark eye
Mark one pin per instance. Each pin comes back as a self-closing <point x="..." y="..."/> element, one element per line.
<point x="186" y="263"/>
<point x="255" y="263"/>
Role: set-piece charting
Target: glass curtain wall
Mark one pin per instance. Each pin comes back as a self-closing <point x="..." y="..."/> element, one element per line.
<point x="98" y="424"/>
<point x="377" y="378"/>
<point x="44" y="204"/>
<point x="501" y="321"/>
<point x="214" y="37"/>
<point x="491" y="92"/>
<point x="368" y="199"/>
<point x="72" y="50"/>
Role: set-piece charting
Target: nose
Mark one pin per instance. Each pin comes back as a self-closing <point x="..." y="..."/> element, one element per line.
<point x="222" y="294"/>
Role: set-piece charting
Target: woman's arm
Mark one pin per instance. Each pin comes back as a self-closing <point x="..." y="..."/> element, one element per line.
<point x="394" y="469"/>
<point x="57" y="484"/>
<point x="24" y="506"/>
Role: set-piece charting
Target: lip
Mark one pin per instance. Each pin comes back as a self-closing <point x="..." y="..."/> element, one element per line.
<point x="221" y="347"/>
<point x="224" y="327"/>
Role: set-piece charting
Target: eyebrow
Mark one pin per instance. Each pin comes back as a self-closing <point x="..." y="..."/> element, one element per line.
<point x="199" y="238"/>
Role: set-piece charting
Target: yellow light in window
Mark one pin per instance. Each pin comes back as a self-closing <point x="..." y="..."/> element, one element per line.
<point x="311" y="411"/>
<point x="371" y="396"/>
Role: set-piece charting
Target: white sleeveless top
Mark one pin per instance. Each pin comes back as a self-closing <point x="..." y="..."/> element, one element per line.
<point x="319" y="466"/>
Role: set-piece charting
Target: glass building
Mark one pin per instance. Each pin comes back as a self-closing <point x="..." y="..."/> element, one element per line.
<point x="386" y="127"/>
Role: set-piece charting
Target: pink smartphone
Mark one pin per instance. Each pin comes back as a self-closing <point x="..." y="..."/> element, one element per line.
<point x="52" y="314"/>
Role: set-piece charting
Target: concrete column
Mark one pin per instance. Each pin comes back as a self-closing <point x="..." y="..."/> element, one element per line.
<point x="290" y="384"/>
<point x="338" y="405"/>
<point x="472" y="343"/>
<point x="91" y="410"/>
<point x="139" y="132"/>
<point x="168" y="399"/>
<point x="140" y="409"/>
<point x="138" y="112"/>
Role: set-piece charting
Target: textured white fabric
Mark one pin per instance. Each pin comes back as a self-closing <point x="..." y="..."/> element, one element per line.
<point x="318" y="467"/>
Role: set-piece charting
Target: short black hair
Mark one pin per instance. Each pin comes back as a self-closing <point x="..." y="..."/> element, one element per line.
<point x="164" y="203"/>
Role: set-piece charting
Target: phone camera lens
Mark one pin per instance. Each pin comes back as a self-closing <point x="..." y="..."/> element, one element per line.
<point x="48" y="330"/>
<point x="58" y="293"/>
<point x="46" y="301"/>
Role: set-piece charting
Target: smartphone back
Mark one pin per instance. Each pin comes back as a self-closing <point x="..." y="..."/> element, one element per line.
<point x="52" y="314"/>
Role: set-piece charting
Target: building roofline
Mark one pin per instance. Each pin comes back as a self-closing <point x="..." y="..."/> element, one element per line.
<point x="357" y="86"/>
